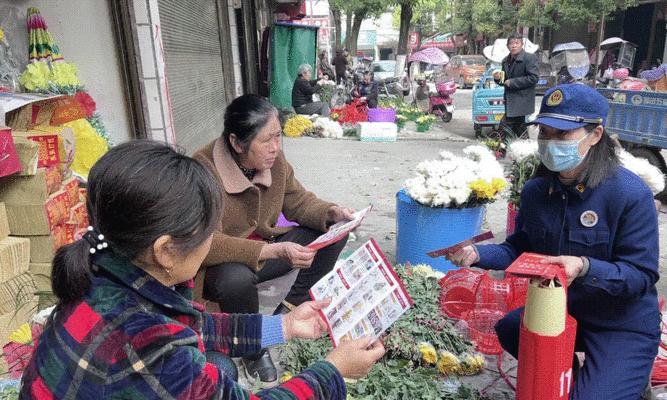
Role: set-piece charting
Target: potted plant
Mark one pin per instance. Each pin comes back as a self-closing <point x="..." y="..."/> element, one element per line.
<point x="444" y="203"/>
<point x="424" y="122"/>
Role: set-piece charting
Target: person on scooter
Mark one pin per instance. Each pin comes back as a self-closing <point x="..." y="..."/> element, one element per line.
<point x="422" y="95"/>
<point x="367" y="90"/>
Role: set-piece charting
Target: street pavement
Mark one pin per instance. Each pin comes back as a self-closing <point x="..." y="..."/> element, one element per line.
<point x="356" y="174"/>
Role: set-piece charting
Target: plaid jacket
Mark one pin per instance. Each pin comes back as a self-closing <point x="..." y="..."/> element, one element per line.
<point x="133" y="338"/>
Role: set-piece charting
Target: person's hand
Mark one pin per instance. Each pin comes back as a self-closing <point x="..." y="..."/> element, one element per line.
<point x="354" y="358"/>
<point x="295" y="254"/>
<point x="305" y="321"/>
<point x="571" y="264"/>
<point x="465" y="257"/>
<point x="337" y="214"/>
<point x="507" y="83"/>
<point x="363" y="98"/>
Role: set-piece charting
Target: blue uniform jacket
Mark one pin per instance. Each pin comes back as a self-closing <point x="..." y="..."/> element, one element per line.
<point x="619" y="290"/>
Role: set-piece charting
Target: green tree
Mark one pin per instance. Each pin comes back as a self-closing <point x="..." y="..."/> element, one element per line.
<point x="355" y="12"/>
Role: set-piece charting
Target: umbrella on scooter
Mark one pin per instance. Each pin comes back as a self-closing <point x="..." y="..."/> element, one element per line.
<point x="431" y="55"/>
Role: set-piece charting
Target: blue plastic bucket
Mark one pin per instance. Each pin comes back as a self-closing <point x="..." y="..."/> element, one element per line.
<point x="420" y="229"/>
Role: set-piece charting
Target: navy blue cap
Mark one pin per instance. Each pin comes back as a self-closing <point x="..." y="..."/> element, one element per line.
<point x="571" y="106"/>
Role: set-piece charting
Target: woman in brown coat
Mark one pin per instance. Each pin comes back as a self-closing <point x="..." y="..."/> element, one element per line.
<point x="248" y="248"/>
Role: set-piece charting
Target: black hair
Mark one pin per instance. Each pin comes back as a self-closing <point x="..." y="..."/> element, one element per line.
<point x="600" y="162"/>
<point x="137" y="192"/>
<point x="245" y="116"/>
<point x="514" y="36"/>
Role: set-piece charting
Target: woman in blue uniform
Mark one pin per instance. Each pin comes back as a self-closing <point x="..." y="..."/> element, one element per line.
<point x="598" y="221"/>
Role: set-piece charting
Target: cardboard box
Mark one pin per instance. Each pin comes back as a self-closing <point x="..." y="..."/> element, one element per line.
<point x="42" y="248"/>
<point x="49" y="146"/>
<point x="14" y="257"/>
<point x="41" y="274"/>
<point x="4" y="224"/>
<point x="38" y="219"/>
<point x="377" y="131"/>
<point x="30" y="189"/>
<point x="9" y="158"/>
<point x="28" y="151"/>
<point x="16" y="292"/>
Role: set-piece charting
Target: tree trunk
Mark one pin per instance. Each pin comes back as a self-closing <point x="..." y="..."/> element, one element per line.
<point x="338" y="29"/>
<point x="348" y="30"/>
<point x="354" y="34"/>
<point x="404" y="29"/>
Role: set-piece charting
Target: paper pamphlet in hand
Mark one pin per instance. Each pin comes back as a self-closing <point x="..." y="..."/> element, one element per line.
<point x="366" y="295"/>
<point x="338" y="231"/>
<point x="453" y="249"/>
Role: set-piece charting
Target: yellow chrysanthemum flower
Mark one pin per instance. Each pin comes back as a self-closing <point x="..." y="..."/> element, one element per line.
<point x="472" y="364"/>
<point x="2" y="35"/>
<point x="296" y="126"/>
<point x="286" y="376"/>
<point x="483" y="189"/>
<point x="22" y="335"/>
<point x="498" y="184"/>
<point x="429" y="355"/>
<point x="448" y="363"/>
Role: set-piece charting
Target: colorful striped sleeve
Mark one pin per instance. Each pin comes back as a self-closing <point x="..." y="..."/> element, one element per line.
<point x="232" y="334"/>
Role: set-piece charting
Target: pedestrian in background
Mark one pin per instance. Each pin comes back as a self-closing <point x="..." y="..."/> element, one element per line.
<point x="340" y="63"/>
<point x="519" y="76"/>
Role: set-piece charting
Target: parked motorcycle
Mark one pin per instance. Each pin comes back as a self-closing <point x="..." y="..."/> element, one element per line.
<point x="442" y="102"/>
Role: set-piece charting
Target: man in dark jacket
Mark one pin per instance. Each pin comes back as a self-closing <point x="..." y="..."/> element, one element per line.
<point x="520" y="77"/>
<point x="302" y="94"/>
<point x="340" y="64"/>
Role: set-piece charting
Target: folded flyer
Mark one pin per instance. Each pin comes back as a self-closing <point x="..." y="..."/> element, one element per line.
<point x="338" y="231"/>
<point x="366" y="294"/>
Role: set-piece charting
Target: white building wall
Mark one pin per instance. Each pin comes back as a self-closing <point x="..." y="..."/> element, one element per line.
<point x="83" y="31"/>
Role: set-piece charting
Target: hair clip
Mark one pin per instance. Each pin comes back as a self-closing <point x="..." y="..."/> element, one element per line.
<point x="96" y="240"/>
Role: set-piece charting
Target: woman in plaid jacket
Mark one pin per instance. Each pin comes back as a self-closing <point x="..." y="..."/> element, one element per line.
<point x="122" y="327"/>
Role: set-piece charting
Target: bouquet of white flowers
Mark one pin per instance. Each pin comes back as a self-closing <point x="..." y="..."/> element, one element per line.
<point x="458" y="181"/>
<point x="330" y="129"/>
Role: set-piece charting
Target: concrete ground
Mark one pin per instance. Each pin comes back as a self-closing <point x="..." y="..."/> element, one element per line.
<point x="355" y="174"/>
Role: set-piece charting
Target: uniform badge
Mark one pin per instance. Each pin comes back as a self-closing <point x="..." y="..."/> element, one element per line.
<point x="589" y="218"/>
<point x="555" y="98"/>
<point x="580" y="187"/>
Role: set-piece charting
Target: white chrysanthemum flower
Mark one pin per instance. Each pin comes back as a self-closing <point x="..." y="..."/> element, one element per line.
<point x="446" y="182"/>
<point x="650" y="174"/>
<point x="332" y="129"/>
<point x="520" y="149"/>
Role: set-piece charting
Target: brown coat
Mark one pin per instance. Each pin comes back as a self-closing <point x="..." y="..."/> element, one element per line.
<point x="255" y="206"/>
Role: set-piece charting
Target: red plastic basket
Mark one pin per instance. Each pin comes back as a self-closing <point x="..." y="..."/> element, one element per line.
<point x="493" y="294"/>
<point x="481" y="323"/>
<point x="458" y="292"/>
